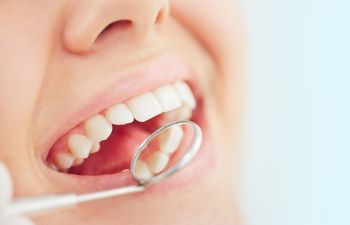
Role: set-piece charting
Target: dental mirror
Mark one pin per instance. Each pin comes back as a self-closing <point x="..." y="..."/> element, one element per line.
<point x="165" y="152"/>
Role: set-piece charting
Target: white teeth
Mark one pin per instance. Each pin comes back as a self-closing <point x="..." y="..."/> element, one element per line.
<point x="167" y="97"/>
<point x="64" y="160"/>
<point x="97" y="128"/>
<point x="144" y="107"/>
<point x="176" y="99"/>
<point x="52" y="166"/>
<point x="79" y="145"/>
<point x="185" y="93"/>
<point x="78" y="162"/>
<point x="119" y="115"/>
<point x="95" y="148"/>
<point x="171" y="140"/>
<point x="184" y="113"/>
<point x="142" y="171"/>
<point x="157" y="161"/>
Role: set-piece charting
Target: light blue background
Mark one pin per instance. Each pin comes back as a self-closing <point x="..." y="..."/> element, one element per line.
<point x="298" y="126"/>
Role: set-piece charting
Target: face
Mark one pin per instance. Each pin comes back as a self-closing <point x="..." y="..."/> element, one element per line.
<point x="79" y="78"/>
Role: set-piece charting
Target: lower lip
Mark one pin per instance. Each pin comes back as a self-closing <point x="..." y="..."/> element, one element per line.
<point x="201" y="164"/>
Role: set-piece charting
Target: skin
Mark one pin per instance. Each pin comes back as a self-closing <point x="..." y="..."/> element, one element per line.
<point x="51" y="49"/>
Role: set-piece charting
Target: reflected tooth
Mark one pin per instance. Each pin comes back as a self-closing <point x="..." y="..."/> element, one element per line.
<point x="95" y="147"/>
<point x="142" y="171"/>
<point x="78" y="162"/>
<point x="64" y="160"/>
<point x="144" y="107"/>
<point x="171" y="140"/>
<point x="167" y="97"/>
<point x="79" y="145"/>
<point x="97" y="128"/>
<point x="185" y="93"/>
<point x="157" y="162"/>
<point x="119" y="115"/>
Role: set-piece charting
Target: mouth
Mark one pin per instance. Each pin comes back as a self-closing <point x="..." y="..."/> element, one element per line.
<point x="102" y="145"/>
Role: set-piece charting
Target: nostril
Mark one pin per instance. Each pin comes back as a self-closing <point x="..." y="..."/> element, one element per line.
<point x="116" y="26"/>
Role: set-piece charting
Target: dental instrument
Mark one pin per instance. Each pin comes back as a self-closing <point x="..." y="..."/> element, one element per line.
<point x="50" y="203"/>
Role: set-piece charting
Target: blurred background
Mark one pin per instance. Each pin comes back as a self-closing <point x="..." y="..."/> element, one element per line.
<point x="298" y="127"/>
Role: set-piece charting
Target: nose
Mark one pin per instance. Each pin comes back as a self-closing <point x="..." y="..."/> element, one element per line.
<point x="87" y="20"/>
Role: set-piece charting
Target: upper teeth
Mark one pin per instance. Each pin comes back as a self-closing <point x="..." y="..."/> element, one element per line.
<point x="141" y="108"/>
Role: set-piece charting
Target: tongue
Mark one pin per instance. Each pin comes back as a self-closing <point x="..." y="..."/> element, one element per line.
<point x="115" y="153"/>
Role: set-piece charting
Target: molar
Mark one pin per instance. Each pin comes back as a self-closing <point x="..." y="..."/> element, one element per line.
<point x="78" y="162"/>
<point x="64" y="160"/>
<point x="79" y="145"/>
<point x="95" y="148"/>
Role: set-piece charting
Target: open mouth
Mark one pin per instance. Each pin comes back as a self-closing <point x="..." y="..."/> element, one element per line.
<point x="105" y="142"/>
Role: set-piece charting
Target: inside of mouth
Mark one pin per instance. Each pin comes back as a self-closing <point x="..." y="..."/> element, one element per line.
<point x="117" y="151"/>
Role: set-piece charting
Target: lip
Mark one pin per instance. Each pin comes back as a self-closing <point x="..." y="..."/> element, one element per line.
<point x="135" y="81"/>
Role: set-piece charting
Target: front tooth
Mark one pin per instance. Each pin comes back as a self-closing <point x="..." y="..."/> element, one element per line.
<point x="170" y="141"/>
<point x="119" y="115"/>
<point x="167" y="97"/>
<point x="157" y="162"/>
<point x="185" y="94"/>
<point x="97" y="128"/>
<point x="79" y="145"/>
<point x="142" y="171"/>
<point x="64" y="160"/>
<point x="144" y="107"/>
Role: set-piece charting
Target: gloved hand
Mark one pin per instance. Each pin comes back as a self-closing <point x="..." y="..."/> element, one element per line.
<point x="5" y="199"/>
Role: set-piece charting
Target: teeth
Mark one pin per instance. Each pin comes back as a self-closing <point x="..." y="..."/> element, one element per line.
<point x="185" y="94"/>
<point x="182" y="113"/>
<point x="176" y="99"/>
<point x="119" y="115"/>
<point x="79" y="145"/>
<point x="78" y="162"/>
<point x="95" y="148"/>
<point x="97" y="128"/>
<point x="171" y="140"/>
<point x="142" y="171"/>
<point x="167" y="97"/>
<point x="52" y="166"/>
<point x="144" y="107"/>
<point x="157" y="162"/>
<point x="64" y="161"/>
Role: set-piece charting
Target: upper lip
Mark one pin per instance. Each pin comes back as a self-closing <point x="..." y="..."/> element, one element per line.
<point x="137" y="80"/>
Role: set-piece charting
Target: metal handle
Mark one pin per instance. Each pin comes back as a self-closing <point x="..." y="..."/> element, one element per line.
<point x="52" y="203"/>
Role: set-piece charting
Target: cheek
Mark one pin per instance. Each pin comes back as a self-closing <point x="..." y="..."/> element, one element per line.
<point x="24" y="49"/>
<point x="218" y="24"/>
